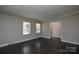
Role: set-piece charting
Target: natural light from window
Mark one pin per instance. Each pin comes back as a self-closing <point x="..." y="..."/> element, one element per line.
<point x="26" y="28"/>
<point x="38" y="29"/>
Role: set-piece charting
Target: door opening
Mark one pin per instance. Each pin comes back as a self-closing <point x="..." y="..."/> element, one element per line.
<point x="55" y="29"/>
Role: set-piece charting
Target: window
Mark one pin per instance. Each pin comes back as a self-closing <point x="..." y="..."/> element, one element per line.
<point x="26" y="28"/>
<point x="38" y="28"/>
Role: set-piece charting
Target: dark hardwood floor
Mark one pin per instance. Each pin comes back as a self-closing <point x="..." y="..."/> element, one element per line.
<point x="41" y="46"/>
<point x="69" y="48"/>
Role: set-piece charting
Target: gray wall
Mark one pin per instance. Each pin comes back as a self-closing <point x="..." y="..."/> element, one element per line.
<point x="11" y="29"/>
<point x="70" y="28"/>
<point x="46" y="29"/>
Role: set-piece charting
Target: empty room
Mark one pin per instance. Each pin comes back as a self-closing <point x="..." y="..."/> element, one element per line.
<point x="39" y="29"/>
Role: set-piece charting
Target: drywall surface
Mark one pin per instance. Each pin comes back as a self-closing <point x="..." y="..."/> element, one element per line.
<point x="69" y="28"/>
<point x="46" y="29"/>
<point x="11" y="29"/>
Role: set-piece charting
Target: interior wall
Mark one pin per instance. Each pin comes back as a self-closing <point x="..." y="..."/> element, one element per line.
<point x="69" y="28"/>
<point x="11" y="29"/>
<point x="46" y="29"/>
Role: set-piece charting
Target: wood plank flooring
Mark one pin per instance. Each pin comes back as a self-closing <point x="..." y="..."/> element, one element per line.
<point x="41" y="46"/>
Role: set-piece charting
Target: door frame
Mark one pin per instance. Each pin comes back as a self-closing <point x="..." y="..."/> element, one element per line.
<point x="60" y="29"/>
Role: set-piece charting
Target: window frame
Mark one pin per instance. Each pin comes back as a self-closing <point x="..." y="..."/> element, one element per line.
<point x="38" y="31"/>
<point x="25" y="29"/>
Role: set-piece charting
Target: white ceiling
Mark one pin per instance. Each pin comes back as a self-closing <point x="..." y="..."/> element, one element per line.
<point x="39" y="12"/>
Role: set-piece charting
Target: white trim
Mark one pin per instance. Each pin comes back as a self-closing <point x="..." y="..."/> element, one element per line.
<point x="6" y="44"/>
<point x="70" y="42"/>
<point x="46" y="37"/>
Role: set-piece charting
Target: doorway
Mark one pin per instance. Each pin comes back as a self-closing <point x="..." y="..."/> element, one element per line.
<point x="55" y="29"/>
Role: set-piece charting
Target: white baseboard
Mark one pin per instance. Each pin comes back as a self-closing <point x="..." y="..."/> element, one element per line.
<point x="46" y="37"/>
<point x="33" y="38"/>
<point x="70" y="42"/>
<point x="6" y="44"/>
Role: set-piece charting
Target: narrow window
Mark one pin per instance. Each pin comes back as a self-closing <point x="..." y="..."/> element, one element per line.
<point x="38" y="28"/>
<point x="26" y="28"/>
